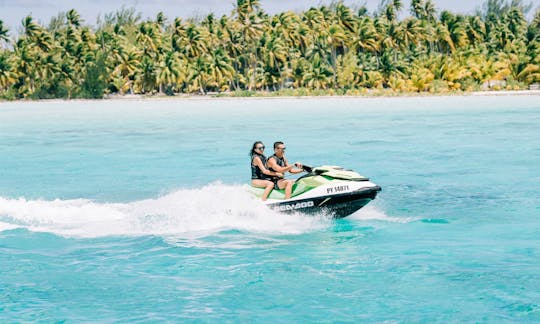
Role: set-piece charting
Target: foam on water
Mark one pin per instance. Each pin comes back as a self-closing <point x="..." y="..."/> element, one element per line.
<point x="7" y="227"/>
<point x="182" y="213"/>
<point x="371" y="212"/>
<point x="203" y="211"/>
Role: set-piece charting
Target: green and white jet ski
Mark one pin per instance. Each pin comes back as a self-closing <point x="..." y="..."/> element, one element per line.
<point x="326" y="188"/>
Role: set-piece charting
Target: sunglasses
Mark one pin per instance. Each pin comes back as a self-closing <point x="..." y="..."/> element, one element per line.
<point x="282" y="148"/>
<point x="260" y="148"/>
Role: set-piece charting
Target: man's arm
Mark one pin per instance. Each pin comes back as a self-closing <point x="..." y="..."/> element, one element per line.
<point x="292" y="169"/>
<point x="273" y="164"/>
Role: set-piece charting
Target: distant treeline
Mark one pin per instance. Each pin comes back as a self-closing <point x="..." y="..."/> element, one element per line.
<point x="332" y="48"/>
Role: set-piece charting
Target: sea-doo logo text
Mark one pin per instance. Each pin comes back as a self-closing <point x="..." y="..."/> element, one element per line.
<point x="299" y="205"/>
<point x="337" y="189"/>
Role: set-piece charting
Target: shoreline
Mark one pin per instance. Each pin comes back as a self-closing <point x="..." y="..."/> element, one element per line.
<point x="262" y="96"/>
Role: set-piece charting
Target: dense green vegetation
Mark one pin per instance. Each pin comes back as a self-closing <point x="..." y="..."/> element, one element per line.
<point x="328" y="49"/>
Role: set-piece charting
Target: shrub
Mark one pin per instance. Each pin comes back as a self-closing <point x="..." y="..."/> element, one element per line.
<point x="94" y="84"/>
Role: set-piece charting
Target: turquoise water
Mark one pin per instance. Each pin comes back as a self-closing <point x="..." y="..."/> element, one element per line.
<point x="136" y="211"/>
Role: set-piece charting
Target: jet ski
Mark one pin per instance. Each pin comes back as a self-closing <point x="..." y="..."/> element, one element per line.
<point x="330" y="189"/>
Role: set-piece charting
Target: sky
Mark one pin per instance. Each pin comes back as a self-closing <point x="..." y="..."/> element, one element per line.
<point x="13" y="11"/>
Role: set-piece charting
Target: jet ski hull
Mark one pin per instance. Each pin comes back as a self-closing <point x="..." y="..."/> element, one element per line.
<point x="327" y="189"/>
<point x="338" y="205"/>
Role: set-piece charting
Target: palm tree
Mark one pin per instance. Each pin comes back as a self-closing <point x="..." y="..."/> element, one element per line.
<point x="421" y="79"/>
<point x="372" y="79"/>
<point x="389" y="64"/>
<point x="50" y="66"/>
<point x="7" y="76"/>
<point x="25" y="68"/>
<point x="366" y="37"/>
<point x="221" y="70"/>
<point x="275" y="55"/>
<point x="178" y="35"/>
<point x="195" y="44"/>
<point x="73" y="18"/>
<point x="148" y="39"/>
<point x="447" y="69"/>
<point x="30" y="28"/>
<point x="198" y="74"/>
<point x="4" y="34"/>
<point x="250" y="26"/>
<point x="390" y="9"/>
<point x="301" y="38"/>
<point x="530" y="74"/>
<point x="318" y="75"/>
<point x="245" y="8"/>
<point x="430" y="11"/>
<point x="444" y="39"/>
<point x="417" y="9"/>
<point x="34" y="59"/>
<point x="456" y="25"/>
<point x="475" y="29"/>
<point x="424" y="10"/>
<point x="409" y="33"/>
<point x="344" y="16"/>
<point x="536" y="21"/>
<point x="387" y="30"/>
<point x="348" y="71"/>
<point x="516" y="22"/>
<point x="122" y="85"/>
<point x="125" y="63"/>
<point x="147" y="79"/>
<point x="169" y="71"/>
<point x="335" y="38"/>
<point x="161" y="21"/>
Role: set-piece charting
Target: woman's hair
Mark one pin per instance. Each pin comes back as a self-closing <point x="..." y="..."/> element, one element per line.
<point x="253" y="148"/>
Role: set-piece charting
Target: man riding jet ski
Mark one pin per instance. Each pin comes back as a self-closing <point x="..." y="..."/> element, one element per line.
<point x="324" y="188"/>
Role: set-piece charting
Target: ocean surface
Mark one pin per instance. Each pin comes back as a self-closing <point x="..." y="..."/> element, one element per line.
<point x="137" y="211"/>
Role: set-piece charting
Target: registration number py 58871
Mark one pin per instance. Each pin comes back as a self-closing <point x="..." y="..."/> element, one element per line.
<point x="337" y="189"/>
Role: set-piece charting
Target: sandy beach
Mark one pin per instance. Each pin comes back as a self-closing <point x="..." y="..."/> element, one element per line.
<point x="261" y="96"/>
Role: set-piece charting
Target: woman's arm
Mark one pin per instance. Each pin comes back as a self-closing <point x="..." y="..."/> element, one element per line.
<point x="264" y="170"/>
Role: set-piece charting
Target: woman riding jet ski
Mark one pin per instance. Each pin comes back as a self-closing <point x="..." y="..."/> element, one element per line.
<point x="324" y="188"/>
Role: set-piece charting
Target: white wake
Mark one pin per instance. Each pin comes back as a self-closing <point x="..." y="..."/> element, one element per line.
<point x="183" y="213"/>
<point x="371" y="212"/>
<point x="204" y="211"/>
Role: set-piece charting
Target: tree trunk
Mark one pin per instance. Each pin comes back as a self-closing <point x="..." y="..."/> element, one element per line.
<point x="334" y="58"/>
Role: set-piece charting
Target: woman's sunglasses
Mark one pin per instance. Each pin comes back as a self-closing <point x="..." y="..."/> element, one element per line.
<point x="260" y="148"/>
